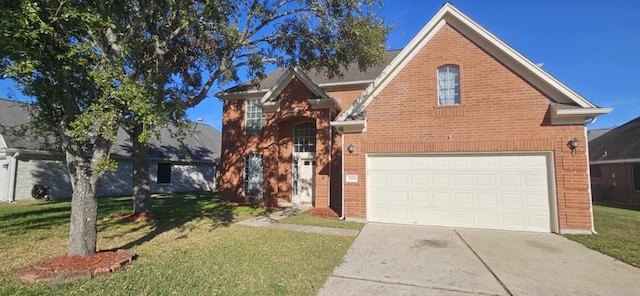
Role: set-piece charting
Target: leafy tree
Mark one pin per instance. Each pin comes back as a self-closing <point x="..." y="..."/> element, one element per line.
<point x="94" y="66"/>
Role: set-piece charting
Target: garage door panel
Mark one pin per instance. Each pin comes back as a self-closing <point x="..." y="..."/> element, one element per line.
<point x="495" y="191"/>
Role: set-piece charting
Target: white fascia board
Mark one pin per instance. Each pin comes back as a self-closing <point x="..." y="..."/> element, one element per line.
<point x="483" y="38"/>
<point x="346" y="85"/>
<point x="241" y="95"/>
<point x="351" y="126"/>
<point x="3" y="144"/>
<point x="269" y="107"/>
<point x="390" y="72"/>
<point x="279" y="86"/>
<point x="499" y="49"/>
<point x="613" y="161"/>
<point x="575" y="115"/>
<point x="589" y="112"/>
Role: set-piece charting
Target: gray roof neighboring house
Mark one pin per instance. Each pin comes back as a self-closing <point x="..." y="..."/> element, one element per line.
<point x="352" y="74"/>
<point x="203" y="145"/>
<point x="621" y="144"/>
<point x="595" y="133"/>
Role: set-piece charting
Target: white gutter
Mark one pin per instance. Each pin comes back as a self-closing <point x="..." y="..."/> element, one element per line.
<point x="615" y="161"/>
<point x="13" y="174"/>
<point x="342" y="217"/>
<point x="586" y="153"/>
<point x="330" y="154"/>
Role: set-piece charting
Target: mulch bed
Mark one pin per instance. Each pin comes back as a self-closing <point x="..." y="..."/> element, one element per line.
<point x="323" y="213"/>
<point x="66" y="269"/>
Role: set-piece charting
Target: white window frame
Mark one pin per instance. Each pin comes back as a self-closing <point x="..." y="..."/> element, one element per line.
<point x="448" y="85"/>
<point x="250" y="184"/>
<point x="254" y="117"/>
<point x="304" y="137"/>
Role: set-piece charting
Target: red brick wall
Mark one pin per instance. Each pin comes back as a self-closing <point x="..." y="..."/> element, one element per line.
<point x="499" y="111"/>
<point x="618" y="188"/>
<point x="275" y="145"/>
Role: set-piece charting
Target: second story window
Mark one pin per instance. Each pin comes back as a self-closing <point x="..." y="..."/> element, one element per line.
<point x="448" y="85"/>
<point x="254" y="119"/>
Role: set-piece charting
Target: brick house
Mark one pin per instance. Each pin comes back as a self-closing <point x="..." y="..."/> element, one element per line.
<point x="458" y="129"/>
<point x="614" y="160"/>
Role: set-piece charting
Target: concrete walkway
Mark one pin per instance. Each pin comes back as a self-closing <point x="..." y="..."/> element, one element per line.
<point x="271" y="221"/>
<point x="417" y="260"/>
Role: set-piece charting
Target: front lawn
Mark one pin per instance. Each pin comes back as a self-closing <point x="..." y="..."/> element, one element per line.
<point x="305" y="218"/>
<point x="195" y="250"/>
<point x="618" y="234"/>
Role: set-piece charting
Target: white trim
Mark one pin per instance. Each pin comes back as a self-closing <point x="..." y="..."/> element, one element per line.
<point x="484" y="39"/>
<point x="614" y="161"/>
<point x="240" y="95"/>
<point x="286" y="78"/>
<point x="334" y="84"/>
<point x="352" y="126"/>
<point x="390" y="72"/>
<point x="586" y="154"/>
<point x="3" y="144"/>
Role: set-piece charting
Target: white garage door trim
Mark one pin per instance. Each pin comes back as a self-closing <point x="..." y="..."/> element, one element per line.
<point x="424" y="203"/>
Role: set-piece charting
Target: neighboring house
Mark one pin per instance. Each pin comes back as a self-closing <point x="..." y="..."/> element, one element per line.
<point x="615" y="164"/>
<point x="27" y="161"/>
<point x="596" y="133"/>
<point x="458" y="129"/>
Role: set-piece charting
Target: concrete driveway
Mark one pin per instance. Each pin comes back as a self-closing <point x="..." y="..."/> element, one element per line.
<point x="417" y="260"/>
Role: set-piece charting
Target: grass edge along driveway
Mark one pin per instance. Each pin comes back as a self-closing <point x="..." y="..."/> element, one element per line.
<point x="195" y="250"/>
<point x="618" y="234"/>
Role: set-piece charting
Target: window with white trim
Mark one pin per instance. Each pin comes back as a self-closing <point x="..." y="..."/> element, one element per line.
<point x="448" y="85"/>
<point x="252" y="175"/>
<point x="254" y="118"/>
<point x="304" y="137"/>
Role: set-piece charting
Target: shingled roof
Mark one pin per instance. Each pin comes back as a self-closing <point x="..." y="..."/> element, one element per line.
<point x="203" y="145"/>
<point x="352" y="74"/>
<point x="619" y="144"/>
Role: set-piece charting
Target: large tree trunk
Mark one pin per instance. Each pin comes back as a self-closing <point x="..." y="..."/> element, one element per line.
<point x="140" y="167"/>
<point x="84" y="202"/>
<point x="84" y="215"/>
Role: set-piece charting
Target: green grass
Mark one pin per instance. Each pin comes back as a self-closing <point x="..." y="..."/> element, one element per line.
<point x="618" y="234"/>
<point x="311" y="220"/>
<point x="197" y="250"/>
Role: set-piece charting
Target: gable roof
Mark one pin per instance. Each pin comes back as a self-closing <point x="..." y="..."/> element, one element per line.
<point x="449" y="15"/>
<point x="204" y="145"/>
<point x="350" y="75"/>
<point x="621" y="144"/>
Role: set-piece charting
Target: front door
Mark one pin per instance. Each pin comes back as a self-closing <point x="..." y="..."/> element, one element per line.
<point x="304" y="151"/>
<point x="303" y="172"/>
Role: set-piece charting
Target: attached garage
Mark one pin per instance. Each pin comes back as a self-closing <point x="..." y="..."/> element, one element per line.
<point x="493" y="191"/>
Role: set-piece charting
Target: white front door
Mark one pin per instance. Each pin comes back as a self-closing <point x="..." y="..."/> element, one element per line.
<point x="494" y="191"/>
<point x="303" y="172"/>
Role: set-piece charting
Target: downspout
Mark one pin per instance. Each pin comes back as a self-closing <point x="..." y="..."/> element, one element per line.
<point x="586" y="151"/>
<point x="342" y="217"/>
<point x="330" y="157"/>
<point x="13" y="176"/>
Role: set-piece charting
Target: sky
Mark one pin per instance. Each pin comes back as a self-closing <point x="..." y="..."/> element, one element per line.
<point x="591" y="46"/>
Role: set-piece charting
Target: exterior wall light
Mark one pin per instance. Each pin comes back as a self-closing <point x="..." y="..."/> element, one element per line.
<point x="351" y="148"/>
<point x="573" y="144"/>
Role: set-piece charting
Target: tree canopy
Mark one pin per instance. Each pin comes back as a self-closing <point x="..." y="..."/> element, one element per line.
<point x="92" y="66"/>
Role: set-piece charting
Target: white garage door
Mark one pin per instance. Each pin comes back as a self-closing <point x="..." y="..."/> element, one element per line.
<point x="509" y="192"/>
